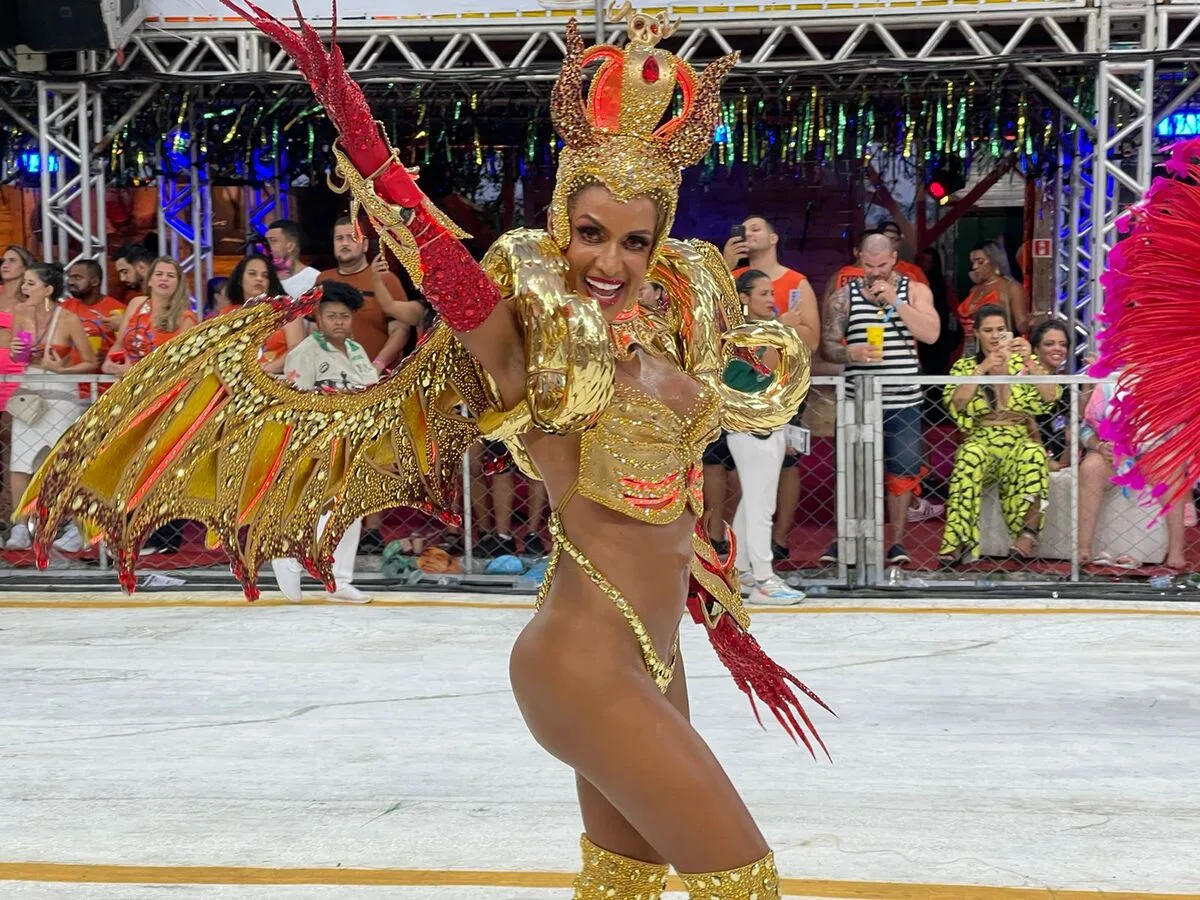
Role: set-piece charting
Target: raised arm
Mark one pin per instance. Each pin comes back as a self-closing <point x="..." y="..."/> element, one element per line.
<point x="422" y="238"/>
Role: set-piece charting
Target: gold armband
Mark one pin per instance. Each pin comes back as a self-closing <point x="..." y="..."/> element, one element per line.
<point x="569" y="365"/>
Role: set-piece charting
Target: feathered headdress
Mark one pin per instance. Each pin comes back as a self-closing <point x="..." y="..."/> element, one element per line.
<point x="615" y="138"/>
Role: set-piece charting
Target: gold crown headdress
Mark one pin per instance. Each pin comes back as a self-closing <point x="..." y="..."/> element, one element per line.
<point x="615" y="139"/>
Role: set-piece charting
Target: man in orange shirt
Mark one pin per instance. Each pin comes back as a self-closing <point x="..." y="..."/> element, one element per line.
<point x="101" y="315"/>
<point x="384" y="298"/>
<point x="795" y="300"/>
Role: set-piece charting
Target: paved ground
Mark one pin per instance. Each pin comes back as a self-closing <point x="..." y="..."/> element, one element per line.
<point x="323" y="752"/>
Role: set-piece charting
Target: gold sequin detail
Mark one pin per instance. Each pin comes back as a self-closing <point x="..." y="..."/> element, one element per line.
<point x="757" y="881"/>
<point x="637" y="157"/>
<point x="610" y="876"/>
<point x="660" y="671"/>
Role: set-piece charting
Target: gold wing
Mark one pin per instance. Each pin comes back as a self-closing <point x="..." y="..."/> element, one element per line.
<point x="197" y="431"/>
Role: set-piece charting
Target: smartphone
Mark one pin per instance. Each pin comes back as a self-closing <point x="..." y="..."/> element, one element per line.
<point x="739" y="231"/>
<point x="1005" y="338"/>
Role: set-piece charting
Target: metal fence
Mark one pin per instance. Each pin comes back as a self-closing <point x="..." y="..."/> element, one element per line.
<point x="832" y="525"/>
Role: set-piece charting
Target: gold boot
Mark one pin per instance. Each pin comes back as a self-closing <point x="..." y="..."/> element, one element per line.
<point x="757" y="881"/>
<point x="610" y="876"/>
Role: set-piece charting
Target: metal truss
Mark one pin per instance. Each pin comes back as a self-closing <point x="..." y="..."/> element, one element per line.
<point x="70" y="120"/>
<point x="819" y="41"/>
<point x="1110" y="163"/>
<point x="264" y="204"/>
<point x="185" y="217"/>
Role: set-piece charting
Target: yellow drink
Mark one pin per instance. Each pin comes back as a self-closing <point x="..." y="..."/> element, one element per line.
<point x="875" y="336"/>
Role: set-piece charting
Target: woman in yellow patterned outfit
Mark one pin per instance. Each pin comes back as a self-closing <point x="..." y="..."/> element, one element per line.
<point x="998" y="446"/>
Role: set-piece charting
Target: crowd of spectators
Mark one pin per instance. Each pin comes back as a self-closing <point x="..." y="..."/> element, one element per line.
<point x="880" y="314"/>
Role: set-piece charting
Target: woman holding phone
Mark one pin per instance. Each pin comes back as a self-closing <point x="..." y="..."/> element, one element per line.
<point x="997" y="446"/>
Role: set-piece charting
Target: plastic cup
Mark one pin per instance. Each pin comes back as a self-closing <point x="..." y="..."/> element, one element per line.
<point x="875" y="336"/>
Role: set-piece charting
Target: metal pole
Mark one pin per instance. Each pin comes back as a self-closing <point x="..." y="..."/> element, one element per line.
<point x="101" y="249"/>
<point x="599" y="21"/>
<point x="60" y="176"/>
<point x="467" y="522"/>
<point x="43" y="135"/>
<point x="85" y="173"/>
<point x="196" y="210"/>
<point x="1072" y="273"/>
<point x="1073" y="393"/>
<point x="1100" y="202"/>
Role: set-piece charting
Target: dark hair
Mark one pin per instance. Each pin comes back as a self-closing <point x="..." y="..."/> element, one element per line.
<point x="749" y="278"/>
<point x="340" y="292"/>
<point x="233" y="290"/>
<point x="50" y="274"/>
<point x="210" y="291"/>
<point x="883" y="227"/>
<point x="134" y="254"/>
<point x="1045" y="328"/>
<point x="289" y="228"/>
<point x="771" y="228"/>
<point x="93" y="268"/>
<point x="987" y="311"/>
<point x="342" y="221"/>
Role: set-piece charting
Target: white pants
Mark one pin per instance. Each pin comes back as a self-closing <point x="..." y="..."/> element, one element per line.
<point x="343" y="556"/>
<point x="758" y="462"/>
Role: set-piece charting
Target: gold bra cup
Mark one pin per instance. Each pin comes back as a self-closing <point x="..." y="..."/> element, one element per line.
<point x="642" y="458"/>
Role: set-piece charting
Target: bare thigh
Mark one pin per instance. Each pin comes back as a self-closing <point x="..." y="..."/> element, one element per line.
<point x="603" y="822"/>
<point x="605" y="718"/>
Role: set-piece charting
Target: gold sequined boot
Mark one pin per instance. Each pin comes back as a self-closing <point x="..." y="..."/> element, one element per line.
<point x="757" y="881"/>
<point x="610" y="876"/>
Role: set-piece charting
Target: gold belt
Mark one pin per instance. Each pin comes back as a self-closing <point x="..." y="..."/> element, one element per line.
<point x="660" y="671"/>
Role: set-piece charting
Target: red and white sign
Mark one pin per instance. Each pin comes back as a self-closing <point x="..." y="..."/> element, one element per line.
<point x="1043" y="248"/>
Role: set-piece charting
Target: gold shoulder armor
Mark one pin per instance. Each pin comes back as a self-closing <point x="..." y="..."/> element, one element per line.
<point x="711" y="326"/>
<point x="569" y="365"/>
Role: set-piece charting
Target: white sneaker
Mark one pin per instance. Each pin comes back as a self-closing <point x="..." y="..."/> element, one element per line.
<point x="70" y="541"/>
<point x="288" y="574"/>
<point x="774" y="591"/>
<point x="925" y="510"/>
<point x="19" y="538"/>
<point x="348" y="593"/>
<point x="746" y="583"/>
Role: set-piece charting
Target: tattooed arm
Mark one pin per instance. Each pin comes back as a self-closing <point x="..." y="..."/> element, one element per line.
<point x="835" y="318"/>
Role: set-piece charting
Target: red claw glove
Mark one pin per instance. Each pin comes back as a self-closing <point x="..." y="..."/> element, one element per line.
<point x="325" y="71"/>
<point x="453" y="282"/>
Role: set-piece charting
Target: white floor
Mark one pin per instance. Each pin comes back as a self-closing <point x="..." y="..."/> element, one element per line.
<point x="1043" y="750"/>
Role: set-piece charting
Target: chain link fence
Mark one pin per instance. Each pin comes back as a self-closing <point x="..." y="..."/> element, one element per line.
<point x="1021" y="500"/>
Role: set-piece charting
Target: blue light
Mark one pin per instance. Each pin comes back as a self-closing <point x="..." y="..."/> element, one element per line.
<point x="1179" y="124"/>
<point x="30" y="162"/>
<point x="722" y="136"/>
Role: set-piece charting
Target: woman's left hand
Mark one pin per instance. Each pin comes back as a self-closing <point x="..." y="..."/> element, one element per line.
<point x="1021" y="346"/>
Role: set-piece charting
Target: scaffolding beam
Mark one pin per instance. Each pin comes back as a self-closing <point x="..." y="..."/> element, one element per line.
<point x="69" y="122"/>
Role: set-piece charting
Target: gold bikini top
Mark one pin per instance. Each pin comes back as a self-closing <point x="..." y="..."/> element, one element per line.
<point x="642" y="458"/>
<point x="637" y="455"/>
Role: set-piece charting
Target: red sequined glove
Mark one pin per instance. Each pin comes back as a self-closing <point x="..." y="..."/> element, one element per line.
<point x="453" y="282"/>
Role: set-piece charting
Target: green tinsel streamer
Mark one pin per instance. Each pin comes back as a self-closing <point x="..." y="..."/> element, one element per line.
<point x="841" y="128"/>
<point x="793" y="141"/>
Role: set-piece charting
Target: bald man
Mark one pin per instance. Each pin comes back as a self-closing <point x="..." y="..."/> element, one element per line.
<point x="884" y="299"/>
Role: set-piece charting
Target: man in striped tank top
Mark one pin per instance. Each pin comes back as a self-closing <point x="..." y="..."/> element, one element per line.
<point x="885" y="303"/>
